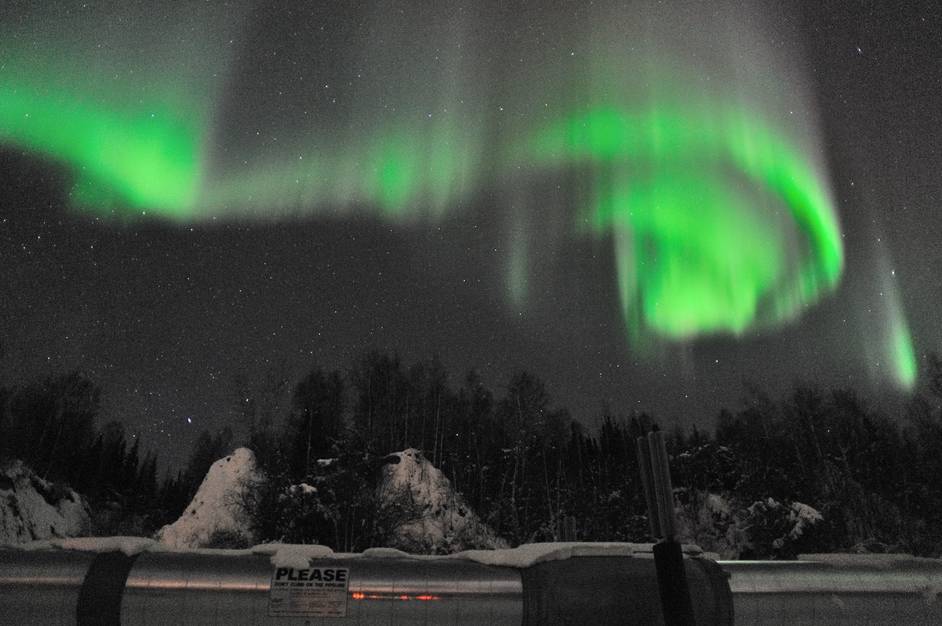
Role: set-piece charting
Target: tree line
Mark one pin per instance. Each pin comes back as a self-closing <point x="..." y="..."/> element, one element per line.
<point x="529" y="470"/>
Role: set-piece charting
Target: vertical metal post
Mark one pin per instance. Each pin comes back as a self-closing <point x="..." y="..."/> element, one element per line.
<point x="647" y="484"/>
<point x="668" y="555"/>
<point x="663" y="489"/>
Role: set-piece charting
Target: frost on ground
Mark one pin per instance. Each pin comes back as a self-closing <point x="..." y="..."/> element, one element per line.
<point x="217" y="506"/>
<point x="32" y="508"/>
<point x="423" y="513"/>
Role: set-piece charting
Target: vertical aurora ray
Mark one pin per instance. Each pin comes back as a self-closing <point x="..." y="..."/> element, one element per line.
<point x="902" y="354"/>
<point x="401" y="174"/>
<point x="887" y="341"/>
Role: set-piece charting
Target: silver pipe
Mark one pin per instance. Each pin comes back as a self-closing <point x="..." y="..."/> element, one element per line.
<point x="41" y="587"/>
<point x="837" y="589"/>
<point x="68" y="587"/>
<point x="197" y="589"/>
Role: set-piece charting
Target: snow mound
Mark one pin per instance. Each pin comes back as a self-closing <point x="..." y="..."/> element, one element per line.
<point x="217" y="506"/>
<point x="34" y="509"/>
<point x="422" y="511"/>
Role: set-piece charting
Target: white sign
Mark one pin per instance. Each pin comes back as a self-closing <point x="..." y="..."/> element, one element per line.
<point x="309" y="592"/>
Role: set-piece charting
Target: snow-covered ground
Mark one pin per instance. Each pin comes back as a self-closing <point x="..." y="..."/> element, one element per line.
<point x="424" y="512"/>
<point x="32" y="508"/>
<point x="217" y="506"/>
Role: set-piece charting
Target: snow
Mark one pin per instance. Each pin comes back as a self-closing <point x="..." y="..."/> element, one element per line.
<point x="530" y="554"/>
<point x="803" y="516"/>
<point x="216" y="507"/>
<point x="127" y="545"/>
<point x="299" y="556"/>
<point x="427" y="515"/>
<point x="32" y="508"/>
<point x="304" y="488"/>
<point x="711" y="520"/>
<point x="717" y="505"/>
<point x="388" y="553"/>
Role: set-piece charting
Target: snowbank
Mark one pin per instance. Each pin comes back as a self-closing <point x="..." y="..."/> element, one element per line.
<point x="216" y="507"/>
<point x="423" y="512"/>
<point x="32" y="508"/>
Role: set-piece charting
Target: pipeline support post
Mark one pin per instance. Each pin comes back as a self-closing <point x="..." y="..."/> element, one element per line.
<point x="668" y="554"/>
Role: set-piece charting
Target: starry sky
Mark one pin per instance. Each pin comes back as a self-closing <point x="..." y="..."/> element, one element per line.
<point x="644" y="205"/>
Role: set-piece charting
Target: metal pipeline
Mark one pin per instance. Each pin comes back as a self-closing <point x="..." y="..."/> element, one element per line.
<point x="167" y="588"/>
<point x="837" y="589"/>
<point x="68" y="587"/>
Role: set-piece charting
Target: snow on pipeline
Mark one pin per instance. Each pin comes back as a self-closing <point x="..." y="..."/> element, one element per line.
<point x="299" y="556"/>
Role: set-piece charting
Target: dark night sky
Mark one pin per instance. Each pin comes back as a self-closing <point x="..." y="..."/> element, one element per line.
<point x="165" y="315"/>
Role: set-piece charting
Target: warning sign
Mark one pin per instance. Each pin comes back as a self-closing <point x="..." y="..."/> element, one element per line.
<point x="309" y="592"/>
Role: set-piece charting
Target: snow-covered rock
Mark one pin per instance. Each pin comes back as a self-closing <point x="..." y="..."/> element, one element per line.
<point x="803" y="517"/>
<point x="32" y="508"/>
<point x="217" y="506"/>
<point x="711" y="520"/>
<point x="423" y="513"/>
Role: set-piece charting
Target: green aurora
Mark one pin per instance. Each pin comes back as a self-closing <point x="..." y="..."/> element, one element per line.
<point x="720" y="223"/>
<point x="131" y="132"/>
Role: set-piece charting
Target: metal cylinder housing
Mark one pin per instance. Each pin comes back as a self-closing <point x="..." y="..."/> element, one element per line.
<point x="232" y="588"/>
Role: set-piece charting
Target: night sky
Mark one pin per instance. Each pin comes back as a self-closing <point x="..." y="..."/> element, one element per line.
<point x="196" y="194"/>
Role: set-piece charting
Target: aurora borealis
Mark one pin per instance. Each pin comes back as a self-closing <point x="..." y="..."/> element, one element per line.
<point x="685" y="146"/>
<point x="702" y="255"/>
<point x="130" y="129"/>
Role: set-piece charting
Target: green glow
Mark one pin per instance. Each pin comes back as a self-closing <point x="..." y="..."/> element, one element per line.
<point x="401" y="173"/>
<point x="135" y="159"/>
<point x="903" y="356"/>
<point x="121" y="99"/>
<point x="897" y="349"/>
<point x="688" y="188"/>
<point x="720" y="221"/>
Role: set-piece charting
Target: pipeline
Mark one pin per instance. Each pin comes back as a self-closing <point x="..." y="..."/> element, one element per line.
<point x="74" y="587"/>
